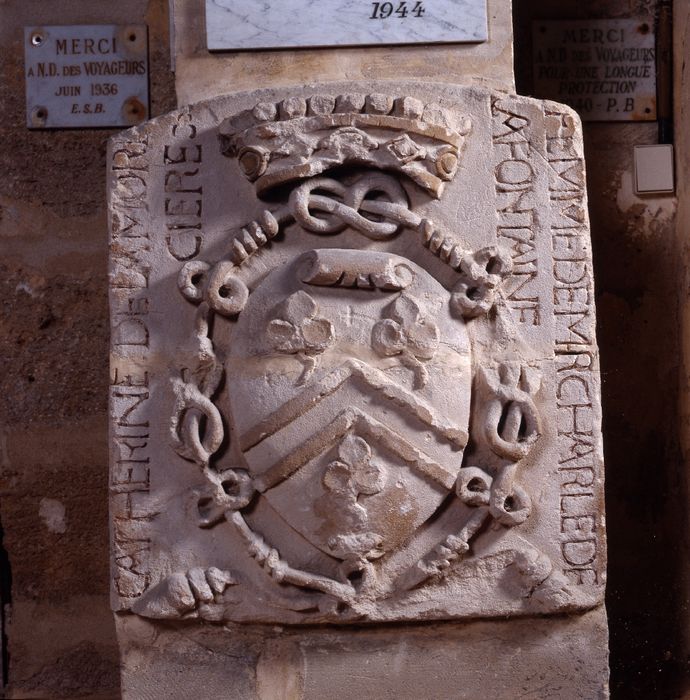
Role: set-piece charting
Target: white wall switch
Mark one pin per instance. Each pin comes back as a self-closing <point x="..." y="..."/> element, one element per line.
<point x="654" y="169"/>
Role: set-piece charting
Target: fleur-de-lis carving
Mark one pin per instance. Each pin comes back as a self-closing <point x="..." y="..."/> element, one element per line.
<point x="345" y="479"/>
<point x="409" y="333"/>
<point x="353" y="472"/>
<point x="297" y="330"/>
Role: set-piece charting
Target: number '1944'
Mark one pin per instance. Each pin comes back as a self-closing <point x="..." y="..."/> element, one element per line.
<point x="383" y="10"/>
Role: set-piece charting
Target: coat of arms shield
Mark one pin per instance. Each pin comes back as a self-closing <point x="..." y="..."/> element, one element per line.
<point x="353" y="388"/>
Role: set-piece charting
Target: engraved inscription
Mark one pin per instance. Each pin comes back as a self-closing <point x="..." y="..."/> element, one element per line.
<point x="383" y="10"/>
<point x="516" y="225"/>
<point x="576" y="388"/>
<point x="571" y="260"/>
<point x="183" y="203"/>
<point x="578" y="467"/>
<point x="130" y="482"/>
<point x="130" y="477"/>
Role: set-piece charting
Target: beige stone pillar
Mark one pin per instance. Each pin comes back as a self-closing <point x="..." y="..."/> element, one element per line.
<point x="355" y="416"/>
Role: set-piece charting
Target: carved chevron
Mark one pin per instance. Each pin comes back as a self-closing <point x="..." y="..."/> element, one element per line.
<point x="353" y="419"/>
<point x="374" y="379"/>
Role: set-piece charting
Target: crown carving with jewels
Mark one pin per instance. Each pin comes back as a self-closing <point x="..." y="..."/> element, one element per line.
<point x="299" y="138"/>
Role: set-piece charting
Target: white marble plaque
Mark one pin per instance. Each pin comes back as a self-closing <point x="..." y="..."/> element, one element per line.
<point x="238" y="24"/>
<point x="86" y="75"/>
<point x="605" y="69"/>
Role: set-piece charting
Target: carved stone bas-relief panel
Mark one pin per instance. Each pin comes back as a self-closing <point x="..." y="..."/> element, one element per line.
<point x="354" y="371"/>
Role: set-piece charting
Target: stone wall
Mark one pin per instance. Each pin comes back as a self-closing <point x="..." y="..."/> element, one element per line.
<point x="54" y="376"/>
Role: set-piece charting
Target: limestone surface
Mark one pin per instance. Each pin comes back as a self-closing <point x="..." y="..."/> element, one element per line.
<point x="354" y="370"/>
